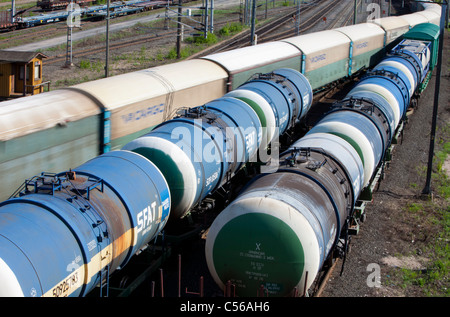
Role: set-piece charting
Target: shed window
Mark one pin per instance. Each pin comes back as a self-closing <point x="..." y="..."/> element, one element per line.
<point x="21" y="72"/>
<point x="37" y="70"/>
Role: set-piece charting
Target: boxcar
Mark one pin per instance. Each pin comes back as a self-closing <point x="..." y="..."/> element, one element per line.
<point x="325" y="56"/>
<point x="367" y="45"/>
<point x="47" y="132"/>
<point x="394" y="27"/>
<point x="135" y="102"/>
<point x="243" y="63"/>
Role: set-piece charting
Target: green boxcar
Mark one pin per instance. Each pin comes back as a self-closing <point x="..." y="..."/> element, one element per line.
<point x="426" y="32"/>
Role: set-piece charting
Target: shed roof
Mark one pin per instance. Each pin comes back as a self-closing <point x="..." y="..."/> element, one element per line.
<point x="18" y="56"/>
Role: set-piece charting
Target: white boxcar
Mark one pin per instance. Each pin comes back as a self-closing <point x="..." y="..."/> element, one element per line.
<point x="367" y="44"/>
<point x="243" y="63"/>
<point x="325" y="56"/>
<point x="414" y="18"/>
<point x="138" y="101"/>
<point x="431" y="15"/>
<point x="393" y="26"/>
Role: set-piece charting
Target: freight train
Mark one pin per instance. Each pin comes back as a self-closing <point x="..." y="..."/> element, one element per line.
<point x="60" y="129"/>
<point x="283" y="227"/>
<point x="108" y="209"/>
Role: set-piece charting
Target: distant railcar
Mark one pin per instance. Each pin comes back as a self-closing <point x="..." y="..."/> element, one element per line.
<point x="6" y="22"/>
<point x="60" y="4"/>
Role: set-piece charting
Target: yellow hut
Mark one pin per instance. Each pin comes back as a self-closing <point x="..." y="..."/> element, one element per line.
<point x="21" y="73"/>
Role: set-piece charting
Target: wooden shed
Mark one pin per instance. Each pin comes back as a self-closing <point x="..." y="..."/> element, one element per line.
<point x="21" y="73"/>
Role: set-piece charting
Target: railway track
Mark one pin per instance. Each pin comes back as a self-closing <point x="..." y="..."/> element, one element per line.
<point x="348" y="15"/>
<point x="267" y="32"/>
<point x="89" y="51"/>
<point x="243" y="38"/>
<point x="270" y="31"/>
<point x="24" y="36"/>
<point x="304" y="25"/>
<point x="135" y="41"/>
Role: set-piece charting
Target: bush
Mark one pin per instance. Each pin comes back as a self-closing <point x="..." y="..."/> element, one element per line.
<point x="84" y="64"/>
<point x="231" y="29"/>
<point x="199" y="40"/>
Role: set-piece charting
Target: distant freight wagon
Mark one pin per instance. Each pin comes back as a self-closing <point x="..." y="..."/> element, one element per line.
<point x="60" y="4"/>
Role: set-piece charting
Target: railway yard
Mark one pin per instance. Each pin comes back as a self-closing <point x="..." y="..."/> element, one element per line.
<point x="147" y="44"/>
<point x="401" y="247"/>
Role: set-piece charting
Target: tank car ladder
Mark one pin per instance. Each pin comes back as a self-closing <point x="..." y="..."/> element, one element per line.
<point x="97" y="222"/>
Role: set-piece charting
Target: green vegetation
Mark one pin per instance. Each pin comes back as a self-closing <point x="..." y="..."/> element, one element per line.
<point x="231" y="29"/>
<point x="94" y="66"/>
<point x="440" y="176"/>
<point x="198" y="43"/>
<point x="434" y="280"/>
<point x="430" y="220"/>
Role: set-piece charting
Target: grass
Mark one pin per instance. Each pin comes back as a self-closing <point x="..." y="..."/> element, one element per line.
<point x="96" y="66"/>
<point x="434" y="280"/>
<point x="433" y="214"/>
<point x="195" y="44"/>
<point x="440" y="175"/>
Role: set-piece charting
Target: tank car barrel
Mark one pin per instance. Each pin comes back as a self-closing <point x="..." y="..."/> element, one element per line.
<point x="58" y="238"/>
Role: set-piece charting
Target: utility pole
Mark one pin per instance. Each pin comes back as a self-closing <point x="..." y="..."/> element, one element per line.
<point x="265" y="16"/>
<point x="297" y="20"/>
<point x="247" y="12"/>
<point x="253" y="35"/>
<point x="13" y="10"/>
<point x="107" y="41"/>
<point x="72" y="20"/>
<point x="69" y="61"/>
<point x="206" y="19"/>
<point x="180" y="3"/>
<point x="211" y="17"/>
<point x="427" y="188"/>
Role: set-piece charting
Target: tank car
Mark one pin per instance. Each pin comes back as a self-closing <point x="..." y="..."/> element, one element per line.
<point x="64" y="233"/>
